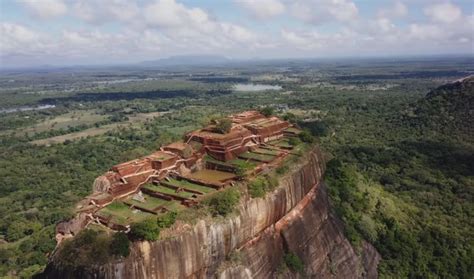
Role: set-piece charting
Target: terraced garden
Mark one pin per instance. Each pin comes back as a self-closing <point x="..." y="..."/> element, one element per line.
<point x="169" y="191"/>
<point x="188" y="185"/>
<point x="282" y="143"/>
<point x="212" y="175"/>
<point x="257" y="157"/>
<point x="232" y="163"/>
<point x="150" y="203"/>
<point x="293" y="130"/>
<point x="121" y="214"/>
<point x="266" y="151"/>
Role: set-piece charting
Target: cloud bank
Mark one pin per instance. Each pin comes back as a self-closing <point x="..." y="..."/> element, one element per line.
<point x="122" y="31"/>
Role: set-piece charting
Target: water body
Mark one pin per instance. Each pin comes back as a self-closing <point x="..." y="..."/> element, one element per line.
<point x="17" y="109"/>
<point x="255" y="87"/>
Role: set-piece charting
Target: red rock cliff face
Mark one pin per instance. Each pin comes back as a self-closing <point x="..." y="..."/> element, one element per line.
<point x="295" y="218"/>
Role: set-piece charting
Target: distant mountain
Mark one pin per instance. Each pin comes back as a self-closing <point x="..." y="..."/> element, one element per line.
<point x="191" y="60"/>
<point x="448" y="109"/>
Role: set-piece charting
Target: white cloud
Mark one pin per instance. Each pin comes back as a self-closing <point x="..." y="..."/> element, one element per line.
<point x="185" y="25"/>
<point x="302" y="40"/>
<point x="321" y="11"/>
<point x="147" y="29"/>
<point x="425" y="32"/>
<point x="397" y="10"/>
<point x="262" y="9"/>
<point x="45" y="9"/>
<point x="16" y="38"/>
<point x="331" y="43"/>
<point x="168" y="13"/>
<point x="384" y="25"/>
<point x="99" y="12"/>
<point x="443" y="13"/>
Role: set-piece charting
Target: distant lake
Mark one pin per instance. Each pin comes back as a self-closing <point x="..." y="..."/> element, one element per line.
<point x="10" y="110"/>
<point x="255" y="87"/>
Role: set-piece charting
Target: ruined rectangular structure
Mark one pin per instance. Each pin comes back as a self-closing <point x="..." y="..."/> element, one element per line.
<point x="267" y="129"/>
<point x="223" y="147"/>
<point x="177" y="172"/>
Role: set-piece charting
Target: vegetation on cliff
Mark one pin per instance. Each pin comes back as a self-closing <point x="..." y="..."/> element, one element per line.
<point x="293" y="262"/>
<point x="88" y="248"/>
<point x="261" y="185"/>
<point x="223" y="202"/>
<point x="145" y="230"/>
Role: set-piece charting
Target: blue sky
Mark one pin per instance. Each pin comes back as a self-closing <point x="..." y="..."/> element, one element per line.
<point x="66" y="32"/>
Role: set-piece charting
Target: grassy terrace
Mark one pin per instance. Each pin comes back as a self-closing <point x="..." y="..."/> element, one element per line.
<point x="266" y="151"/>
<point x="121" y="214"/>
<point x="270" y="145"/>
<point x="239" y="162"/>
<point x="293" y="130"/>
<point x="257" y="157"/>
<point x="189" y="185"/>
<point x="281" y="143"/>
<point x="212" y="175"/>
<point x="162" y="157"/>
<point x="232" y="163"/>
<point x="166" y="190"/>
<point x="150" y="203"/>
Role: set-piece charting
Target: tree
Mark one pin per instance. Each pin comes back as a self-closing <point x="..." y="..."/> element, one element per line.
<point x="294" y="262"/>
<point x="167" y="220"/>
<point x="120" y="245"/>
<point x="257" y="188"/>
<point x="241" y="168"/>
<point x="16" y="230"/>
<point x="223" y="125"/>
<point x="293" y="141"/>
<point x="224" y="202"/>
<point x="145" y="230"/>
<point x="267" y="111"/>
<point x="306" y="136"/>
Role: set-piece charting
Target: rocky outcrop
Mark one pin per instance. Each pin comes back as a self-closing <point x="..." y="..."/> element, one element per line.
<point x="101" y="184"/>
<point x="295" y="218"/>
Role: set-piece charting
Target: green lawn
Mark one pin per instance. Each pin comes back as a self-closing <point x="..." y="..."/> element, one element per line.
<point x="257" y="157"/>
<point x="210" y="159"/>
<point x="293" y="130"/>
<point x="189" y="185"/>
<point x="166" y="190"/>
<point x="266" y="151"/>
<point x="284" y="144"/>
<point x="122" y="214"/>
<point x="150" y="202"/>
<point x="212" y="175"/>
<point x="175" y="206"/>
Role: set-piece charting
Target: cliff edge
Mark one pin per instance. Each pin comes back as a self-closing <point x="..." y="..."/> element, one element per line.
<point x="294" y="219"/>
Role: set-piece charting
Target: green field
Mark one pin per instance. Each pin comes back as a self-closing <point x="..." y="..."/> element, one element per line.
<point x="96" y="131"/>
<point x="63" y="121"/>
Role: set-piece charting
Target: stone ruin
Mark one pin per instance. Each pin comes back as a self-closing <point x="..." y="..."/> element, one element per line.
<point x="183" y="172"/>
